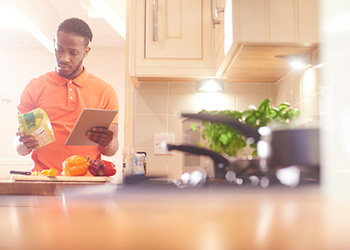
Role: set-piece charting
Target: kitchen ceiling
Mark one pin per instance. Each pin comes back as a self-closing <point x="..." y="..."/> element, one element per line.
<point x="47" y="14"/>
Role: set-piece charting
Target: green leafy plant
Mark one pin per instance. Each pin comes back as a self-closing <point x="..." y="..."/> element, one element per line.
<point x="226" y="139"/>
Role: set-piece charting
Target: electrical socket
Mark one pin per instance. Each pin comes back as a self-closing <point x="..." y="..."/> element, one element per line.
<point x="158" y="139"/>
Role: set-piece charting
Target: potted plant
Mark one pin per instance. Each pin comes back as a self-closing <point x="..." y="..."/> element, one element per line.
<point x="225" y="139"/>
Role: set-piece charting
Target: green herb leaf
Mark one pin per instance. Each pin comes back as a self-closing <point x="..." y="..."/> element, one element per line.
<point x="226" y="139"/>
<point x="193" y="126"/>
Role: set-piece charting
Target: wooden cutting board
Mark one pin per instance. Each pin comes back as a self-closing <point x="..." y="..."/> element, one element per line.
<point x="61" y="178"/>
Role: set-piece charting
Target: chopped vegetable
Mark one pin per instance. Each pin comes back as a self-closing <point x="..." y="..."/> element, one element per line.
<point x="75" y="165"/>
<point x="45" y="172"/>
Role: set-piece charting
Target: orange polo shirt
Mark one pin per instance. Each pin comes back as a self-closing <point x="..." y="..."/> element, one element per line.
<point x="63" y="100"/>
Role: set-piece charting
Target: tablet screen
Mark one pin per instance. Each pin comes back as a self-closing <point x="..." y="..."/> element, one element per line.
<point x="88" y="119"/>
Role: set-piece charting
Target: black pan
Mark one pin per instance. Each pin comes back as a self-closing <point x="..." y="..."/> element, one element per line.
<point x="286" y="147"/>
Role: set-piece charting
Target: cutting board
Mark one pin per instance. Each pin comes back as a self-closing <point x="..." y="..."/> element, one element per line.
<point x="61" y="178"/>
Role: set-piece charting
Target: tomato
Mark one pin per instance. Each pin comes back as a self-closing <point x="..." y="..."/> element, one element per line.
<point x="110" y="169"/>
<point x="75" y="165"/>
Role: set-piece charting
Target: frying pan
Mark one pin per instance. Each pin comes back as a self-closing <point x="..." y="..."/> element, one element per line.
<point x="277" y="148"/>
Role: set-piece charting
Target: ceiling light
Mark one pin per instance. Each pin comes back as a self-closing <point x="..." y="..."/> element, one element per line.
<point x="7" y="19"/>
<point x="91" y="11"/>
<point x="110" y="16"/>
<point x="15" y="16"/>
<point x="210" y="85"/>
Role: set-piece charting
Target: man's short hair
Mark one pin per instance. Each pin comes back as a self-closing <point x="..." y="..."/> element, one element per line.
<point x="76" y="27"/>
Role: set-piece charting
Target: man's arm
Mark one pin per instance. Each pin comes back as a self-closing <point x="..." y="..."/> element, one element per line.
<point x="106" y="138"/>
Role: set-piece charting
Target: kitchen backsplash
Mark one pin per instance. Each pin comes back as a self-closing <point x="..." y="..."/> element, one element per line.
<point x="301" y="89"/>
<point x="157" y="106"/>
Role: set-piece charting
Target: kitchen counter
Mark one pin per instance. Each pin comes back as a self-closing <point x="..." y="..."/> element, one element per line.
<point x="164" y="217"/>
<point x="27" y="187"/>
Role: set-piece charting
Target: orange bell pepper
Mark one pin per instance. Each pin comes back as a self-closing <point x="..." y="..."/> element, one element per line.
<point x="75" y="165"/>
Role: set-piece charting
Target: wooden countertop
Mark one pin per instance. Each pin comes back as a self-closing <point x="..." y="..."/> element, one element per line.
<point x="43" y="185"/>
<point x="132" y="217"/>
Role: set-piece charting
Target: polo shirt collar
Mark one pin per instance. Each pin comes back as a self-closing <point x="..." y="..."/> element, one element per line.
<point x="80" y="80"/>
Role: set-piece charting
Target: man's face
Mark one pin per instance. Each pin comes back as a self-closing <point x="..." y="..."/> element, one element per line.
<point x="70" y="51"/>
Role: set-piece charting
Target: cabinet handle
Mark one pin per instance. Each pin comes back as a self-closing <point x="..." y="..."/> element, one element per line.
<point x="155" y="20"/>
<point x="215" y="10"/>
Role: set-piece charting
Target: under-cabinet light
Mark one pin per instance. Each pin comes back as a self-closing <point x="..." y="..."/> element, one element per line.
<point x="297" y="64"/>
<point x="297" y="61"/>
<point x="210" y="85"/>
<point x="320" y="65"/>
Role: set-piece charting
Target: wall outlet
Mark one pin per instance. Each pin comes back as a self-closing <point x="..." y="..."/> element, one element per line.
<point x="158" y="139"/>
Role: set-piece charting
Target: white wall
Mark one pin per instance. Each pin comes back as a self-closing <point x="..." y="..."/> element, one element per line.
<point x="335" y="100"/>
<point x="19" y="65"/>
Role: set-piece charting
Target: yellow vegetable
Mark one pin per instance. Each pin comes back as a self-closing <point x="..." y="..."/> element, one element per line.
<point x="45" y="172"/>
<point x="75" y="165"/>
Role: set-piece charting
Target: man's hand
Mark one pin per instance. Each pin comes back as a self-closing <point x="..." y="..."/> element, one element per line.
<point x="26" y="143"/>
<point x="101" y="136"/>
<point x="107" y="139"/>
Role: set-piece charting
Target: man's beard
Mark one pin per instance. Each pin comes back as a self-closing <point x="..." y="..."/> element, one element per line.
<point x="72" y="75"/>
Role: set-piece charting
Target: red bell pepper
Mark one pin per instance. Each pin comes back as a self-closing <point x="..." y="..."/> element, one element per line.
<point x="102" y="168"/>
<point x="110" y="169"/>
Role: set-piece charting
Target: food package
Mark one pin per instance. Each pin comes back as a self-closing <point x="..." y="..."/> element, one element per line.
<point x="37" y="123"/>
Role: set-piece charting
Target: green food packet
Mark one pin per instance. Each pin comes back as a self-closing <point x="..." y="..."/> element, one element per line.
<point x="37" y="123"/>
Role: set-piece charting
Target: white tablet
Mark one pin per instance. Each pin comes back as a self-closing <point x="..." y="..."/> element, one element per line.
<point x="88" y="119"/>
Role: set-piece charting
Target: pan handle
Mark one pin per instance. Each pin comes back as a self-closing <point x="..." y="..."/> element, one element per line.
<point x="246" y="130"/>
<point x="219" y="161"/>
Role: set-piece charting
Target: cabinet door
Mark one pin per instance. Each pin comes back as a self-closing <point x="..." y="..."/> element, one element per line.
<point x="282" y="21"/>
<point x="266" y="21"/>
<point x="250" y="21"/>
<point x="276" y="21"/>
<point x="184" y="48"/>
<point x="308" y="21"/>
<point x="179" y="29"/>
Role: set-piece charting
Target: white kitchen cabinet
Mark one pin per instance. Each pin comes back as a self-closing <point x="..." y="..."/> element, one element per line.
<point x="179" y="33"/>
<point x="169" y="39"/>
<point x="252" y="32"/>
<point x="308" y="21"/>
<point x="276" y="21"/>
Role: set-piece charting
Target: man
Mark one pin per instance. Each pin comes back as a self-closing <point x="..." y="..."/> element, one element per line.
<point x="63" y="94"/>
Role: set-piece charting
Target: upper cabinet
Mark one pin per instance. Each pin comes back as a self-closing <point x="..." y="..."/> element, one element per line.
<point x="233" y="39"/>
<point x="277" y="21"/>
<point x="169" y="38"/>
<point x="252" y="33"/>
